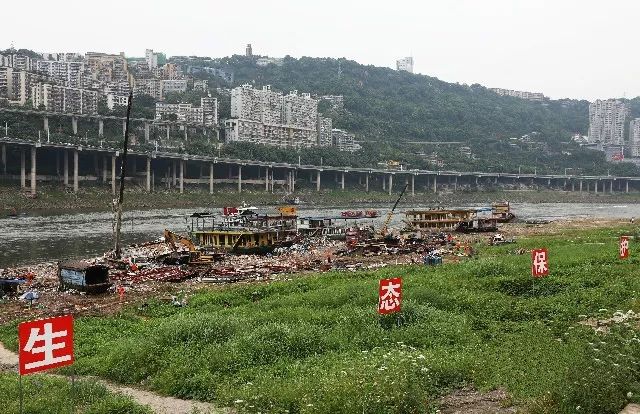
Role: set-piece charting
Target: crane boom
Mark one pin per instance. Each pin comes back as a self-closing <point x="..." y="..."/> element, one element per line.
<point x="383" y="231"/>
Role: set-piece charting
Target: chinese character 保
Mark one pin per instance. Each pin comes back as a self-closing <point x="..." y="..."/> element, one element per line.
<point x="540" y="262"/>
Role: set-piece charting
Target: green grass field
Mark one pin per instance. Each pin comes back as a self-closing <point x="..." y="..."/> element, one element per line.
<point x="315" y="344"/>
<point x="46" y="395"/>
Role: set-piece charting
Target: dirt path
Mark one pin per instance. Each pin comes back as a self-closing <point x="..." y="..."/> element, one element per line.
<point x="159" y="404"/>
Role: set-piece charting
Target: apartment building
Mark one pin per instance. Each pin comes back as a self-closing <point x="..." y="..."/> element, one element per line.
<point x="151" y="87"/>
<point x="405" y="64"/>
<point x="67" y="73"/>
<point x="343" y="140"/>
<point x="107" y="68"/>
<point x="607" y="120"/>
<point x="336" y="101"/>
<point x="265" y="116"/>
<point x="531" y="96"/>
<point x="56" y="98"/>
<point x="206" y="114"/>
<point x="325" y="137"/>
<point x="173" y="86"/>
<point x="116" y="100"/>
<point x="200" y="85"/>
<point x="151" y="58"/>
<point x="634" y="137"/>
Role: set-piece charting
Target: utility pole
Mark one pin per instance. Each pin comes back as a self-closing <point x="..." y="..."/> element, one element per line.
<point x="123" y="171"/>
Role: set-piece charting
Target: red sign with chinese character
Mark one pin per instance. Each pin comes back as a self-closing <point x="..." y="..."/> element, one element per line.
<point x="539" y="263"/>
<point x="390" y="295"/>
<point x="624" y="247"/>
<point x="45" y="344"/>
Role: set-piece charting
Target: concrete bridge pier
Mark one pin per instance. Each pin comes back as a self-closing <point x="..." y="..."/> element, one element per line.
<point x="100" y="128"/>
<point x="384" y="182"/>
<point x="626" y="184"/>
<point x="113" y="175"/>
<point x="124" y="127"/>
<point x="611" y="187"/>
<point x="4" y="159"/>
<point x="455" y="183"/>
<point x="148" y="183"/>
<point x="146" y="132"/>
<point x="413" y="185"/>
<point x="266" y="179"/>
<point x="573" y="185"/>
<point x="46" y="124"/>
<point x="182" y="162"/>
<point x="105" y="169"/>
<point x="211" y="178"/>
<point x="318" y="181"/>
<point x="596" y="186"/>
<point x="174" y="171"/>
<point x="366" y="182"/>
<point x="580" y="185"/>
<point x="75" y="170"/>
<point x="23" y="177"/>
<point x="65" y="168"/>
<point x="33" y="170"/>
<point x="168" y="133"/>
<point x="74" y="125"/>
<point x="435" y="184"/>
<point x="239" y="178"/>
<point x="342" y="181"/>
<point x="390" y="183"/>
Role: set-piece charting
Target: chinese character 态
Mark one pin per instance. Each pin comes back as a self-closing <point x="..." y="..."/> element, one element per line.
<point x="390" y="295"/>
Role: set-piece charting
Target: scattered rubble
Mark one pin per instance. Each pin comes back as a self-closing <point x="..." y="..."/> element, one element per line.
<point x="604" y="325"/>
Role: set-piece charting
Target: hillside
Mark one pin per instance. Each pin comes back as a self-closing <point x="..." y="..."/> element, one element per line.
<point x="393" y="112"/>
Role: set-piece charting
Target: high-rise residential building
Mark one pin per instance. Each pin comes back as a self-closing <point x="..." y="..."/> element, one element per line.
<point x="343" y="140"/>
<point x="206" y="114"/>
<point x="531" y="96"/>
<point x="405" y="64"/>
<point x="107" y="68"/>
<point x="151" y="58"/>
<point x="607" y="120"/>
<point x="634" y="137"/>
<point x="69" y="73"/>
<point x="264" y="116"/>
<point x="174" y="86"/>
<point x="248" y="51"/>
<point x="56" y="98"/>
<point x="325" y="125"/>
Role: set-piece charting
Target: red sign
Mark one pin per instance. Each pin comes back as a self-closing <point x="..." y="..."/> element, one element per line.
<point x="45" y="344"/>
<point x="230" y="211"/>
<point x="624" y="247"/>
<point x="539" y="263"/>
<point x="390" y="295"/>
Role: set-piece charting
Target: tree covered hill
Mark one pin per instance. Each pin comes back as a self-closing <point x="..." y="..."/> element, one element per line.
<point x="382" y="103"/>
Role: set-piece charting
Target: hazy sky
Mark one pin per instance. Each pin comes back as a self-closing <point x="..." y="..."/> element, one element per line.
<point x="563" y="48"/>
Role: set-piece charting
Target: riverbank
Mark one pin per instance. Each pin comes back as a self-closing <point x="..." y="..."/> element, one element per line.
<point x="53" y="198"/>
<point x="313" y="342"/>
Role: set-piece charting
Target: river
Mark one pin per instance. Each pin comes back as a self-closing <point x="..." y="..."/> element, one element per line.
<point x="46" y="237"/>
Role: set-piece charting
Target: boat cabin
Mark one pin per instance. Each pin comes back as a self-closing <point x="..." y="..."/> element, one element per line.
<point x="437" y="219"/>
<point x="83" y="276"/>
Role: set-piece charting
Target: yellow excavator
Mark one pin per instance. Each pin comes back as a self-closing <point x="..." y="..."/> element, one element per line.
<point x="195" y="256"/>
<point x="383" y="230"/>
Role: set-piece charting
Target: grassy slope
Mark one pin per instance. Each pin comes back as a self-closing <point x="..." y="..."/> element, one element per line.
<point x="44" y="395"/>
<point x="316" y="345"/>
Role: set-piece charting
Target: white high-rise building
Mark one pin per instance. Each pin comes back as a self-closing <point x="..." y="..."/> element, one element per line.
<point x="405" y="64"/>
<point x="634" y="137"/>
<point x="264" y="116"/>
<point x="151" y="58"/>
<point x="607" y="119"/>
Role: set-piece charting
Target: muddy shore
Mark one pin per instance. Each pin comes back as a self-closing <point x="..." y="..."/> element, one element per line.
<point x="53" y="198"/>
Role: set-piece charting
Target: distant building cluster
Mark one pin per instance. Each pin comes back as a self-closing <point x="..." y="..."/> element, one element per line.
<point x="76" y="83"/>
<point x="405" y="64"/>
<point x="530" y="96"/>
<point x="264" y="116"/>
<point x="608" y="120"/>
<point x="206" y="114"/>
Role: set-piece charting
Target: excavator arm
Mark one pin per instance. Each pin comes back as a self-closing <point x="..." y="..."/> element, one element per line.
<point x="383" y="231"/>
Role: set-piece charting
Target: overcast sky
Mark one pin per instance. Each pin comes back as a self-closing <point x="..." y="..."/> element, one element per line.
<point x="563" y="48"/>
